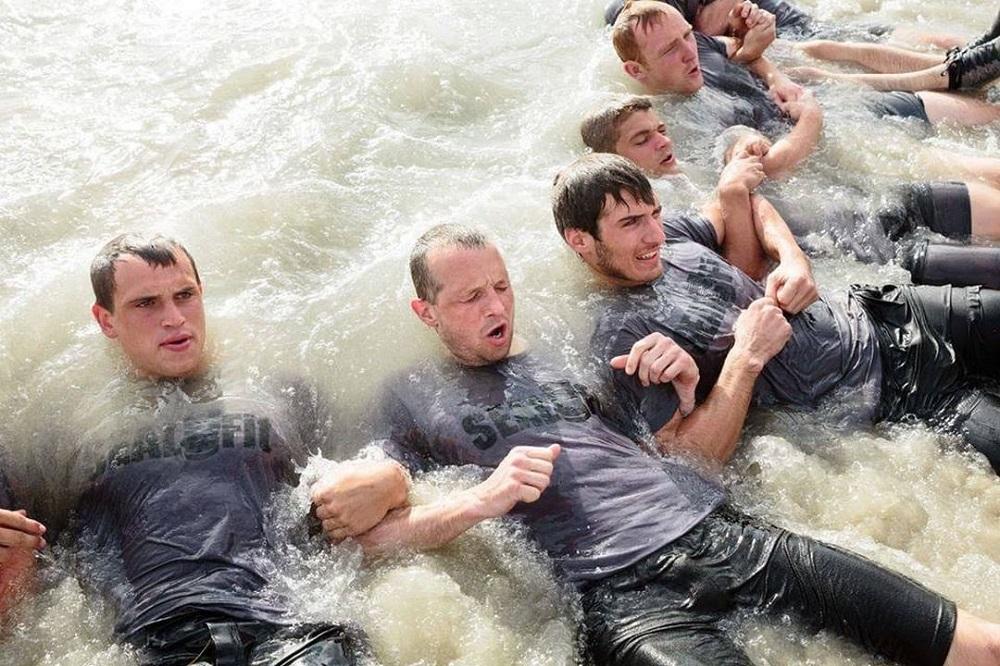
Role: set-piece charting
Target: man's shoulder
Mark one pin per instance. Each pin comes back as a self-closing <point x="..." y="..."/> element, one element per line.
<point x="709" y="42"/>
<point x="625" y="313"/>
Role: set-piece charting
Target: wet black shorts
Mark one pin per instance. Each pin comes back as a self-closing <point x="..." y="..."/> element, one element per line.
<point x="941" y="207"/>
<point x="668" y="608"/>
<point x="900" y="105"/>
<point x="939" y="357"/>
<point x="200" y="637"/>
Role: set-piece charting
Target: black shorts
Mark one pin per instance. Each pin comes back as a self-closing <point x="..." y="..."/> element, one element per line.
<point x="939" y="358"/>
<point x="667" y="608"/>
<point x="898" y="104"/>
<point x="204" y="637"/>
<point x="936" y="344"/>
<point x="945" y="208"/>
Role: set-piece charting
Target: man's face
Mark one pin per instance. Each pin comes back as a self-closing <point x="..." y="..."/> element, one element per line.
<point x="642" y="138"/>
<point x="669" y="56"/>
<point x="628" y="253"/>
<point x="158" y="317"/>
<point x="474" y="310"/>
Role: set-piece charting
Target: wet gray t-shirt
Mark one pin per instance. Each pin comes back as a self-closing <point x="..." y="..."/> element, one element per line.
<point x="174" y="519"/>
<point x="609" y="503"/>
<point x="747" y="100"/>
<point x="696" y="302"/>
<point x="6" y="498"/>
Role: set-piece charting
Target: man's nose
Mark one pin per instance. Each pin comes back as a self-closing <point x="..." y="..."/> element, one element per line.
<point x="493" y="304"/>
<point x="172" y="315"/>
<point x="654" y="231"/>
<point x="690" y="50"/>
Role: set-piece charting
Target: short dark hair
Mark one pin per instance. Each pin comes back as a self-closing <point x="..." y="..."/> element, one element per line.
<point x="580" y="190"/>
<point x="599" y="130"/>
<point x="155" y="250"/>
<point x="442" y="235"/>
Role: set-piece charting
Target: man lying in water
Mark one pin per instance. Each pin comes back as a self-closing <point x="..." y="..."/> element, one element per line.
<point x="631" y="128"/>
<point x="660" y="51"/>
<point x="886" y="352"/>
<point x="171" y="527"/>
<point x="637" y="534"/>
<point x="737" y="18"/>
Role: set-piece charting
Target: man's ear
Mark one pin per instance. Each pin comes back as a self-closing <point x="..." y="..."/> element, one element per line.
<point x="105" y="320"/>
<point x="634" y="70"/>
<point x="424" y="311"/>
<point x="578" y="240"/>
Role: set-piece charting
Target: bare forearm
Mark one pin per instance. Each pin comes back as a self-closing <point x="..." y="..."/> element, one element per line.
<point x="776" y="238"/>
<point x="712" y="430"/>
<point x="766" y="70"/>
<point x="740" y="245"/>
<point x="426" y="526"/>
<point x="747" y="52"/>
<point x="796" y="146"/>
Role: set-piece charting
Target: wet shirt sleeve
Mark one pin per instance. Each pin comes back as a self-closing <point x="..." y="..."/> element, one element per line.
<point x="693" y="228"/>
<point x="787" y="17"/>
<point x="655" y="404"/>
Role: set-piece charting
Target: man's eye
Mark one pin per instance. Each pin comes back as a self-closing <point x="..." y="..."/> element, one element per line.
<point x="184" y="295"/>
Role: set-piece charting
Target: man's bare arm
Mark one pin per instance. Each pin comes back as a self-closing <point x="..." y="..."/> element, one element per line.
<point x="799" y="105"/>
<point x="799" y="143"/>
<point x="522" y="476"/>
<point x="711" y="432"/>
<point x="791" y="283"/>
<point x="355" y="495"/>
<point x="732" y="215"/>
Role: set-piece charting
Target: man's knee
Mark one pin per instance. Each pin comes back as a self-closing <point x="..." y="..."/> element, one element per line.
<point x="980" y="425"/>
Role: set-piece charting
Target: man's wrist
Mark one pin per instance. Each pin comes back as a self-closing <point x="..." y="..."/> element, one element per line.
<point x="744" y="363"/>
<point x="476" y="505"/>
<point x="733" y="191"/>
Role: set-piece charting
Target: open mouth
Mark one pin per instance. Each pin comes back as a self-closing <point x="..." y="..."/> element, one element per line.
<point x="668" y="160"/>
<point x="649" y="256"/>
<point x="497" y="334"/>
<point x="694" y="71"/>
<point x="177" y="343"/>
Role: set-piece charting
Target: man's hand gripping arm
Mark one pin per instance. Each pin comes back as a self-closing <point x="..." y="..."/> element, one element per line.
<point x="712" y="430"/>
<point x="522" y="476"/>
<point x="768" y="238"/>
<point x="354" y="496"/>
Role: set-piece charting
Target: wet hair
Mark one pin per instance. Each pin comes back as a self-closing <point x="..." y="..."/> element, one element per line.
<point x="155" y="251"/>
<point x="599" y="130"/>
<point x="442" y="235"/>
<point x="580" y="190"/>
<point x="636" y="14"/>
